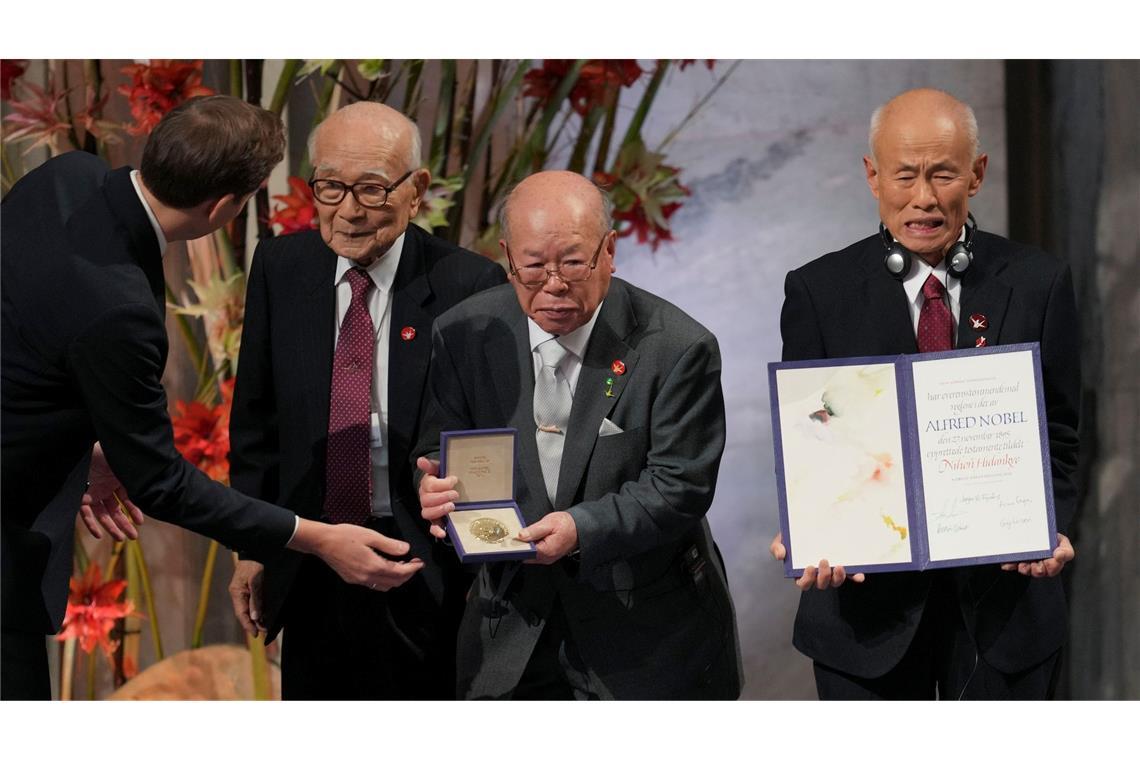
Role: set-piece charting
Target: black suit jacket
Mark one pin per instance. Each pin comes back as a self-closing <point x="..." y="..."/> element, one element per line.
<point x="846" y="304"/>
<point x="646" y="602"/>
<point x="279" y="422"/>
<point x="84" y="346"/>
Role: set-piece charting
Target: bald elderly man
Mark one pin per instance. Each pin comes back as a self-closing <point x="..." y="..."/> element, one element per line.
<point x="332" y="369"/>
<point x="987" y="632"/>
<point x="617" y="400"/>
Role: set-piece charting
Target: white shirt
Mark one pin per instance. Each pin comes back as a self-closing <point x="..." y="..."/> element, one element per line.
<point x="383" y="274"/>
<point x="916" y="277"/>
<point x="149" y="213"/>
<point x="575" y="344"/>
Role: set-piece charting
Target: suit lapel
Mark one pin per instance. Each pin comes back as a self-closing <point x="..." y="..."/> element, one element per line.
<point x="891" y="330"/>
<point x="408" y="353"/>
<point x="316" y="324"/>
<point x="593" y="397"/>
<point x="984" y="295"/>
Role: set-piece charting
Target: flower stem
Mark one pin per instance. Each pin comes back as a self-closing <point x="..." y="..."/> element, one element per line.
<point x="91" y="677"/>
<point x="67" y="670"/>
<point x="136" y="550"/>
<point x="192" y="346"/>
<point x="284" y="84"/>
<point x="693" y="111"/>
<point x="633" y="132"/>
<point x="204" y="595"/>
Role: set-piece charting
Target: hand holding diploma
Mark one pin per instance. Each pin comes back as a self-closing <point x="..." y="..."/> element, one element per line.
<point x="822" y="577"/>
<point x="1046" y="568"/>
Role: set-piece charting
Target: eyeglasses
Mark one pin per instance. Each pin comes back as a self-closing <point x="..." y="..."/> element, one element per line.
<point x="368" y="194"/>
<point x="536" y="275"/>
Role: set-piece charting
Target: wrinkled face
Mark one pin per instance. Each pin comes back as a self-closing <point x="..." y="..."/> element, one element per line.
<point x="551" y="235"/>
<point x="352" y="152"/>
<point x="923" y="176"/>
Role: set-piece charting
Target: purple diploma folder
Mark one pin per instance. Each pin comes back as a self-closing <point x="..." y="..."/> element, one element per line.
<point x="890" y="463"/>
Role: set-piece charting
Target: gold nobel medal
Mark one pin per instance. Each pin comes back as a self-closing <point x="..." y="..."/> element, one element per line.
<point x="489" y="530"/>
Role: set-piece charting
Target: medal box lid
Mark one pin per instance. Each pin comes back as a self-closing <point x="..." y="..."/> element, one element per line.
<point x="484" y="463"/>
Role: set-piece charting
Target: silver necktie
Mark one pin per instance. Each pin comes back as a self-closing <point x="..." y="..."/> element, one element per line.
<point x="552" y="402"/>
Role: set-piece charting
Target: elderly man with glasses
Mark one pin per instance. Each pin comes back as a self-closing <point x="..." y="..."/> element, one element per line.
<point x="331" y="375"/>
<point x="617" y="399"/>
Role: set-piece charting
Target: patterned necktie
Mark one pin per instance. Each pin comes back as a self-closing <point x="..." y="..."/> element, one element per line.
<point x="935" y="325"/>
<point x="552" y="402"/>
<point x="348" y="456"/>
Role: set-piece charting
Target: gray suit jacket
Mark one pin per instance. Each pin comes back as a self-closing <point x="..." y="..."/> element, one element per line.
<point x="646" y="602"/>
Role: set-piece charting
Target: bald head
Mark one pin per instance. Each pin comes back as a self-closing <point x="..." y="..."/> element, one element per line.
<point x="926" y="110"/>
<point x="382" y="123"/>
<point x="574" y="195"/>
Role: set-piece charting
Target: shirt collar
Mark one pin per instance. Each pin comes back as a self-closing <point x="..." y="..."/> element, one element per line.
<point x="574" y="342"/>
<point x="920" y="270"/>
<point x="149" y="213"/>
<point x="382" y="270"/>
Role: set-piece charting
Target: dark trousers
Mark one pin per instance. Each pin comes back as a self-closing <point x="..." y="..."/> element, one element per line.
<point x="554" y="670"/>
<point x="342" y="641"/>
<point x="23" y="666"/>
<point x="942" y="663"/>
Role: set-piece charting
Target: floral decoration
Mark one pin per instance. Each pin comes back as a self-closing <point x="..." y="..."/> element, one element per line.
<point x="93" y="608"/>
<point x="159" y="86"/>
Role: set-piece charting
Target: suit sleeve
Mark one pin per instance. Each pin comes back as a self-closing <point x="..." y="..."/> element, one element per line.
<point x="1061" y="373"/>
<point x="799" y="323"/>
<point x="254" y="439"/>
<point x="675" y="489"/>
<point x="117" y="363"/>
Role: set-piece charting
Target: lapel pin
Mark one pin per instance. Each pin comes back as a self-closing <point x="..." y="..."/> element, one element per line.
<point x="980" y="342"/>
<point x="979" y="322"/>
<point x="618" y="367"/>
<point x="408" y="333"/>
<point x="609" y="387"/>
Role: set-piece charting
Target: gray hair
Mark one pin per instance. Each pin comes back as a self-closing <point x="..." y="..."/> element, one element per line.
<point x="415" y="153"/>
<point x="606" y="218"/>
<point x="968" y="121"/>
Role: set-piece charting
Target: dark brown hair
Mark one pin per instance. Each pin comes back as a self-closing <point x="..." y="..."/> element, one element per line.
<point x="209" y="147"/>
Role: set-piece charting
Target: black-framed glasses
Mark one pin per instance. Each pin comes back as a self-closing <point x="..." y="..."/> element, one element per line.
<point x="368" y="194"/>
<point x="536" y="275"/>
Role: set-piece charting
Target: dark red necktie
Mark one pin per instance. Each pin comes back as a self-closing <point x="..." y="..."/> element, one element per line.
<point x="935" y="325"/>
<point x="348" y="457"/>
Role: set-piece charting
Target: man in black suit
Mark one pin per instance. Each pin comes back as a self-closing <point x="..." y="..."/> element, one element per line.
<point x="987" y="632"/>
<point x="617" y="400"/>
<point x="290" y="414"/>
<point x="84" y="346"/>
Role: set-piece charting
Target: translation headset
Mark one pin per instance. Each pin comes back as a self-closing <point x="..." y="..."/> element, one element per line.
<point x="958" y="258"/>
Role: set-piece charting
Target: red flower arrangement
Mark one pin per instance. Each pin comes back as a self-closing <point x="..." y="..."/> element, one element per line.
<point x="202" y="433"/>
<point x="299" y="212"/>
<point x="10" y="70"/>
<point x="595" y="78"/>
<point x="92" y="610"/>
<point x="159" y="86"/>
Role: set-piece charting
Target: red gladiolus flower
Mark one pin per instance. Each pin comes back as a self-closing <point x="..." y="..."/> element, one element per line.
<point x="10" y="70"/>
<point x="594" y="80"/>
<point x="159" y="86"/>
<point x="92" y="609"/>
<point x="202" y="433"/>
<point x="684" y="63"/>
<point x="299" y="212"/>
<point x="647" y="230"/>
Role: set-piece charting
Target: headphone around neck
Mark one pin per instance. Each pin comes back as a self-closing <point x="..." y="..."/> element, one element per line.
<point x="958" y="258"/>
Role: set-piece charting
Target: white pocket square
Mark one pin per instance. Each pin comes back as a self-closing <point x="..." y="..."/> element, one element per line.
<point x="608" y="428"/>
